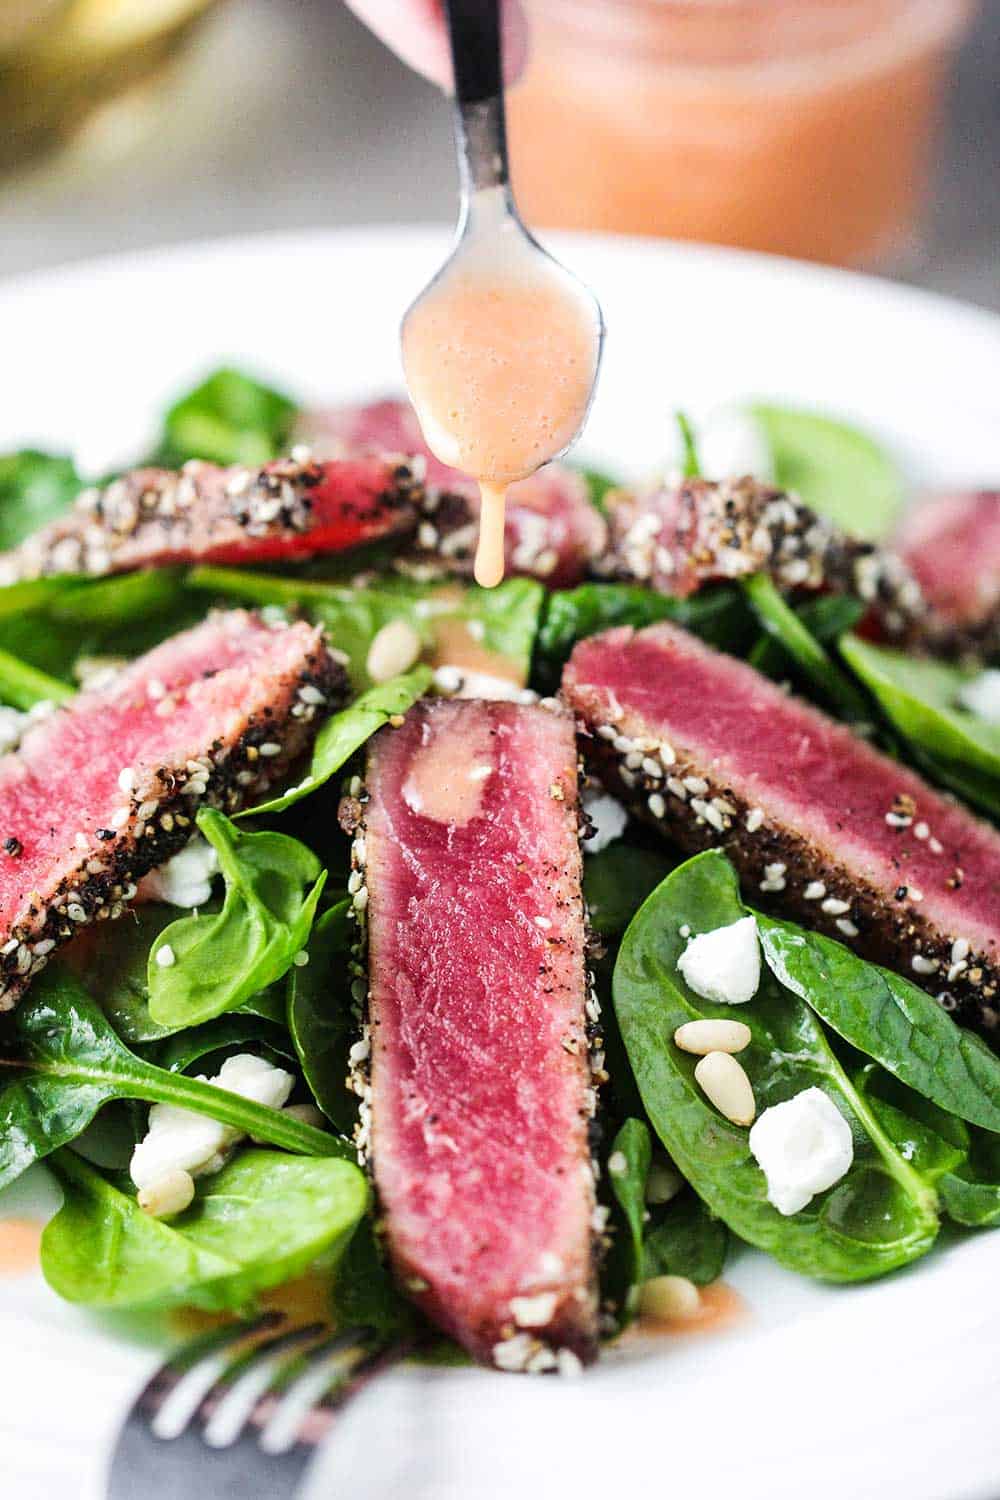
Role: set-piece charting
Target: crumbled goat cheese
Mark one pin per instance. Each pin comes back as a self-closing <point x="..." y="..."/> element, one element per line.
<point x="803" y="1147"/>
<point x="724" y="965"/>
<point x="981" y="695"/>
<point x="731" y="442"/>
<point x="608" y="818"/>
<point x="180" y="1138"/>
<point x="185" y="880"/>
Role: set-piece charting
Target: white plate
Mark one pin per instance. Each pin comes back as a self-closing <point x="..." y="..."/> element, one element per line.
<point x="886" y="1390"/>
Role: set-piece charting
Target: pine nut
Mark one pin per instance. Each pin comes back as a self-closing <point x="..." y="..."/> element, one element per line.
<point x="393" y="650"/>
<point x="663" y="1183"/>
<point x="727" y="1086"/>
<point x="702" y="1037"/>
<point x="170" y="1194"/>
<point x="668" y="1299"/>
<point x="306" y="1114"/>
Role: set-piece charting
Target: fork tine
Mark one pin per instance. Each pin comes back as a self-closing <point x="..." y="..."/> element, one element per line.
<point x="199" y="1355"/>
<point x="225" y="1406"/>
<point x="340" y="1372"/>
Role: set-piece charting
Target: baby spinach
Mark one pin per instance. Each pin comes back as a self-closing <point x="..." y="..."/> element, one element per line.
<point x="686" y="1241"/>
<point x="216" y="1039"/>
<point x="690" y="461"/>
<point x="262" y="1220"/>
<point x="837" y="469"/>
<point x="347" y="731"/>
<point x="718" y="615"/>
<point x="970" y="1194"/>
<point x="229" y="418"/>
<point x="23" y="686"/>
<point x="617" y="881"/>
<point x="879" y="1216"/>
<point x="364" y="1293"/>
<point x="818" y="668"/>
<point x="919" y="697"/>
<point x="889" y="1019"/>
<point x="320" y="1017"/>
<point x="599" y="486"/>
<point x="223" y="959"/>
<point x="61" y="1061"/>
<point x="631" y="1154"/>
<point x="34" y="489"/>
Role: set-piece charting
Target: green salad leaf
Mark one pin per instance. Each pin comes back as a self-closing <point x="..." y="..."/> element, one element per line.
<point x="599" y="486"/>
<point x="628" y="1168"/>
<point x="230" y="418"/>
<point x="273" y="885"/>
<point x="364" y="1291"/>
<point x="889" y="1019"/>
<point x="690" y="461"/>
<point x="22" y="686"/>
<point x="263" y="1219"/>
<point x="347" y="731"/>
<point x="34" y="489"/>
<point x="718" y="615"/>
<point x="617" y="881"/>
<point x="879" y="1216"/>
<point x="803" y="650"/>
<point x="61" y="1061"/>
<point x="920" y="699"/>
<point x="970" y="1194"/>
<point x="687" y="1241"/>
<point x="209" y="1043"/>
<point x="320" y="1016"/>
<point x="836" y="468"/>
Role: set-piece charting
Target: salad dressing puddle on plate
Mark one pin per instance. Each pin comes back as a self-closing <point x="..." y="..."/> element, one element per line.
<point x="500" y="355"/>
<point x="20" y="1240"/>
<point x="722" y="1308"/>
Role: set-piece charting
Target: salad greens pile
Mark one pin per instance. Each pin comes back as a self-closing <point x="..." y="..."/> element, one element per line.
<point x="267" y="966"/>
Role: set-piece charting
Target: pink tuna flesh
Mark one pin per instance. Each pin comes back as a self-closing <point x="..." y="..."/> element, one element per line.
<point x="952" y="545"/>
<point x="108" y="787"/>
<point x="480" y="1083"/>
<point x="818" y="822"/>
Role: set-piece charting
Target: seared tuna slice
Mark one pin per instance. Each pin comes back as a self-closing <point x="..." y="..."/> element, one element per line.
<point x="952" y="545"/>
<point x="480" y="1089"/>
<point x="678" y="537"/>
<point x="819" y="823"/>
<point x="286" y="510"/>
<point x="553" y="531"/>
<point x="107" y="787"/>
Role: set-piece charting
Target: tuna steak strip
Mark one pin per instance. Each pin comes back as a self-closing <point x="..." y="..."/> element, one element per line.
<point x="108" y="787"/>
<point x="819" y="824"/>
<point x="480" y="1093"/>
<point x="678" y="537"/>
<point x="952" y="545"/>
<point x="287" y="510"/>
<point x="553" y="531"/>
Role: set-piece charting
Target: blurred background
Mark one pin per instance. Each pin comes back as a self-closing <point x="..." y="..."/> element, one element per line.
<point x="863" y="132"/>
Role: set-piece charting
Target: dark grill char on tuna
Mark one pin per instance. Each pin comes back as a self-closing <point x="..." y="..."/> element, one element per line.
<point x="480" y="1088"/>
<point x="553" y="531"/>
<point x="285" y="510"/>
<point x="678" y="537"/>
<point x="108" y="787"/>
<point x="952" y="545"/>
<point x="819" y="823"/>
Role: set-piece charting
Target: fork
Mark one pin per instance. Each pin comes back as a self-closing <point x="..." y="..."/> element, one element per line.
<point x="241" y="1411"/>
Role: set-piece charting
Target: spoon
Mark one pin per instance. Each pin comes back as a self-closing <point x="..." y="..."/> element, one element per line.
<point x="501" y="349"/>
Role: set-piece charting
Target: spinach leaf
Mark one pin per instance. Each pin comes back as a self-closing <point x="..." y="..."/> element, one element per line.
<point x="828" y="616"/>
<point x="837" y="469"/>
<point x="34" y="489"/>
<point x="347" y="731"/>
<point x="320" y="1016"/>
<point x="60" y="1061"/>
<point x="971" y="1193"/>
<point x="229" y="418"/>
<point x="617" y="881"/>
<point x="889" y="1019"/>
<point x="220" y="961"/>
<point x="181" y="1051"/>
<point x="23" y="686"/>
<point x="262" y="1220"/>
<point x="718" y="615"/>
<point x="599" y="487"/>
<point x="364" y="1293"/>
<point x="879" y="1216"/>
<point x="628" y="1167"/>
<point x="818" y="668"/>
<point x="688" y="1241"/>
<point x="933" y="1141"/>
<point x="919" y="698"/>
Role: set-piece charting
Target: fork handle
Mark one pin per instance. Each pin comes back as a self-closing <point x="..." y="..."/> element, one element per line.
<point x="480" y="130"/>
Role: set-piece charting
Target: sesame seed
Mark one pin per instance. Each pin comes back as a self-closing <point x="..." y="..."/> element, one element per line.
<point x="656" y="805"/>
<point x="607" y="731"/>
<point x="921" y="965"/>
<point x="960" y="949"/>
<point x="713" y="816"/>
<point x="726" y="808"/>
<point x="898" y="820"/>
<point x="270" y="748"/>
<point x="652" y="767"/>
<point x="921" y="831"/>
<point x="956" y="970"/>
<point x="543" y="922"/>
<point x="623" y="744"/>
<point x="355" y="787"/>
<point x="633" y="760"/>
<point x="696" y="785"/>
<point x="774" y="871"/>
<point x="815" y="890"/>
<point x="165" y="956"/>
<point x="936" y="846"/>
<point x="676" y="788"/>
<point x="628" y="778"/>
<point x="667" y="753"/>
<point x="126" y="778"/>
<point x="754" y="819"/>
<point x="120" y="817"/>
<point x="360" y="899"/>
<point x="310" y="694"/>
<point x="834" y="907"/>
<point x="846" y="926"/>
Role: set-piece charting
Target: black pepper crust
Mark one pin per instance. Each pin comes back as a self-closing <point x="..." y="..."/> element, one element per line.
<point x="232" y="772"/>
<point x="890" y="928"/>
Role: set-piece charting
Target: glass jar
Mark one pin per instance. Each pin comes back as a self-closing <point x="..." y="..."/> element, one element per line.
<point x="803" y="127"/>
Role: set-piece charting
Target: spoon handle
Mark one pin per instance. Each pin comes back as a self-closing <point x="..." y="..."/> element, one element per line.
<point x="480" y="132"/>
